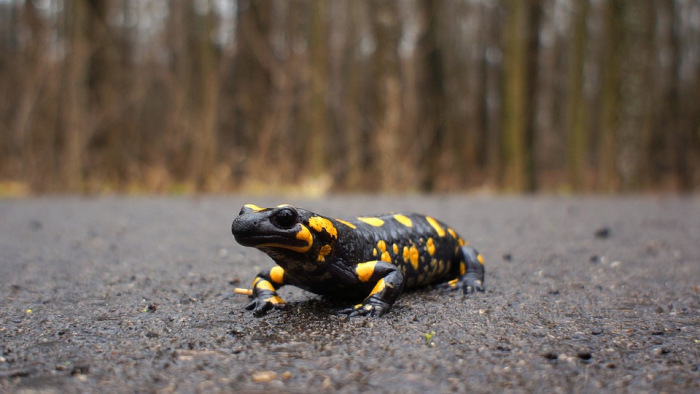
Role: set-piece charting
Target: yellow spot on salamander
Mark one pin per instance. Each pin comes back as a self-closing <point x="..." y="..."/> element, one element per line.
<point x="318" y="224"/>
<point x="378" y="287"/>
<point x="305" y="235"/>
<point x="405" y="220"/>
<point x="364" y="271"/>
<point x="462" y="268"/>
<point x="406" y="254"/>
<point x="461" y="242"/>
<point x="431" y="246"/>
<point x="352" y="226"/>
<point x="374" y="252"/>
<point x="436" y="226"/>
<point x="283" y="205"/>
<point x="277" y="275"/>
<point x="325" y="250"/>
<point x="395" y="248"/>
<point x="264" y="285"/>
<point x="481" y="259"/>
<point x="376" y="222"/>
<point x="386" y="257"/>
<point x="413" y="256"/>
<point x="453" y="282"/>
<point x="254" y="207"/>
<point x="381" y="245"/>
<point x="452" y="233"/>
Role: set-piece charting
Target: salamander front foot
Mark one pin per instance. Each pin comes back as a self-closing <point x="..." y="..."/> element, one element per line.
<point x="260" y="306"/>
<point x="374" y="308"/>
<point x="468" y="284"/>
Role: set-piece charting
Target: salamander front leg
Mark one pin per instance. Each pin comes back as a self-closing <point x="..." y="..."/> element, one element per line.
<point x="264" y="292"/>
<point x="388" y="285"/>
<point x="471" y="273"/>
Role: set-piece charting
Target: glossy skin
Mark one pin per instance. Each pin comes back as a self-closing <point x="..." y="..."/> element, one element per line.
<point x="367" y="258"/>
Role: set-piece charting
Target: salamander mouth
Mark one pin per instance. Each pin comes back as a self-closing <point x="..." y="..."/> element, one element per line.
<point x="276" y="241"/>
<point x="256" y="240"/>
<point x="263" y="235"/>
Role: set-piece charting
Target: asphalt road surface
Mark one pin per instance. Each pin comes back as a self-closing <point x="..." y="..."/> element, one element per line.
<point x="136" y="294"/>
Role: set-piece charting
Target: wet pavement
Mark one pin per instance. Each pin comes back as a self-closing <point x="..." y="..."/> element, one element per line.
<point x="123" y="294"/>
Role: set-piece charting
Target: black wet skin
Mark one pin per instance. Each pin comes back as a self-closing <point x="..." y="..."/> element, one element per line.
<point x="372" y="258"/>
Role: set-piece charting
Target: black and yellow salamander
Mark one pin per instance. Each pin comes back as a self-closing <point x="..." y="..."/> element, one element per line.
<point x="372" y="258"/>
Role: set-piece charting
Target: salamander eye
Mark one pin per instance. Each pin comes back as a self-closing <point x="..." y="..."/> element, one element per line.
<point x="285" y="218"/>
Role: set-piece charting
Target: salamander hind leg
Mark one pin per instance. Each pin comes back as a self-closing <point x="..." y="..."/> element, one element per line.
<point x="388" y="284"/>
<point x="471" y="273"/>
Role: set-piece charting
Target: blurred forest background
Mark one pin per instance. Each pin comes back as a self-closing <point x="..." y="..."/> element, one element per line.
<point x="316" y="96"/>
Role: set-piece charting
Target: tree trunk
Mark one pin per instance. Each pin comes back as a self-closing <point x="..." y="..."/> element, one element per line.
<point x="74" y="127"/>
<point x="318" y="73"/>
<point x="576" y="113"/>
<point x="206" y="91"/>
<point x="636" y="88"/>
<point x="432" y="85"/>
<point x="608" y="176"/>
<point x="522" y="28"/>
<point x="253" y="74"/>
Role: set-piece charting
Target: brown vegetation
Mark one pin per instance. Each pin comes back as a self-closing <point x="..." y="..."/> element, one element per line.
<point x="414" y="95"/>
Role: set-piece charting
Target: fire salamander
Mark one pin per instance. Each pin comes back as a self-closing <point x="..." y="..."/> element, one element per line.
<point x="372" y="258"/>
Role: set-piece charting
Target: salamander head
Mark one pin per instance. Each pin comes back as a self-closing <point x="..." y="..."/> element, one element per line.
<point x="279" y="227"/>
<point x="287" y="234"/>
